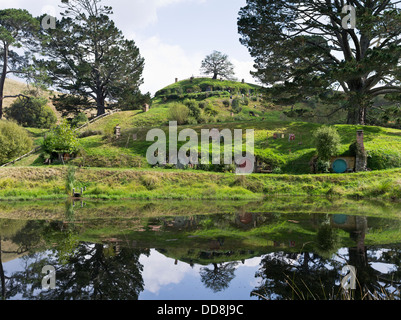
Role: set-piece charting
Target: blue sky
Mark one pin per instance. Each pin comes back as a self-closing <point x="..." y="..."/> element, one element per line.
<point x="172" y="35"/>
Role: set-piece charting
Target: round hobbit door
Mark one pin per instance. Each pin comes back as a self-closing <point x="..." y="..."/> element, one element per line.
<point x="340" y="166"/>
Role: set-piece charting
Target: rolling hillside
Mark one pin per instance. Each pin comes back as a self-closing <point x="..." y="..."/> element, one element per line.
<point x="100" y="149"/>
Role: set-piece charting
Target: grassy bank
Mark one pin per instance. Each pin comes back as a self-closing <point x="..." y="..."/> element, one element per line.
<point x="25" y="183"/>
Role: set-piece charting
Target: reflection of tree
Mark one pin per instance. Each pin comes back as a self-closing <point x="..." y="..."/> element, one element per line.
<point x="2" y="276"/>
<point x="83" y="270"/>
<point x="294" y="276"/>
<point x="311" y="276"/>
<point x="92" y="273"/>
<point x="218" y="278"/>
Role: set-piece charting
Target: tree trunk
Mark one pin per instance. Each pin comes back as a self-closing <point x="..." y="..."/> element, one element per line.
<point x="100" y="106"/>
<point x="3" y="78"/>
<point x="357" y="110"/>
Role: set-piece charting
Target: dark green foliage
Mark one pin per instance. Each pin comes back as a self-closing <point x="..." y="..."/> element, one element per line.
<point x="294" y="53"/>
<point x="89" y="57"/>
<point x="18" y="30"/>
<point x="32" y="112"/>
<point x="68" y="104"/>
<point x="79" y="120"/>
<point x="194" y="110"/>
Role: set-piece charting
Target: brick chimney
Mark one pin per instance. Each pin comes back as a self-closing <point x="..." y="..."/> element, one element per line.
<point x="361" y="158"/>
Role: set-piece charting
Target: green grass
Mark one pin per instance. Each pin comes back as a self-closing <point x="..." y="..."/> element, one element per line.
<point x="49" y="182"/>
<point x="382" y="144"/>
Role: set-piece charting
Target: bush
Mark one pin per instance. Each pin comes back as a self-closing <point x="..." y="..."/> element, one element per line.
<point x="61" y="139"/>
<point x="194" y="110"/>
<point x="383" y="158"/>
<point x="327" y="141"/>
<point x="79" y="120"/>
<point x="210" y="111"/>
<point x="236" y="105"/>
<point x="14" y="141"/>
<point x="32" y="113"/>
<point x="323" y="166"/>
<point x="179" y="112"/>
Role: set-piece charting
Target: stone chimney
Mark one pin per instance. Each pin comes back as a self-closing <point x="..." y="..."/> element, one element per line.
<point x="361" y="158"/>
<point x="176" y="80"/>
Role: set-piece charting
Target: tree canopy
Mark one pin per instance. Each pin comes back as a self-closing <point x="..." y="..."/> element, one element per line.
<point x="88" y="57"/>
<point x="33" y="112"/>
<point x="18" y="30"/>
<point x="217" y="64"/>
<point x="304" y="48"/>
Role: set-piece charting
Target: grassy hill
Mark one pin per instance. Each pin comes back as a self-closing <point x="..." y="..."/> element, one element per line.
<point x="100" y="149"/>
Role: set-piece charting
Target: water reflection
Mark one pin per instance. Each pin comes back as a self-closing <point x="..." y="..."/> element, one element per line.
<point x="237" y="255"/>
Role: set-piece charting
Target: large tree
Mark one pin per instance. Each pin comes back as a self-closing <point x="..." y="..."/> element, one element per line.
<point x="217" y="64"/>
<point x="305" y="48"/>
<point x="18" y="31"/>
<point x="88" y="56"/>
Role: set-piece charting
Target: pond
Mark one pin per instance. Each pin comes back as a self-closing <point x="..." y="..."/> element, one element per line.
<point x="283" y="249"/>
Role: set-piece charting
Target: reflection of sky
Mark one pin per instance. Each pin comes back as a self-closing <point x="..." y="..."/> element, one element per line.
<point x="166" y="281"/>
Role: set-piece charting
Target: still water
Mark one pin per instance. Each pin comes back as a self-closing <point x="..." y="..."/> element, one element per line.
<point x="285" y="249"/>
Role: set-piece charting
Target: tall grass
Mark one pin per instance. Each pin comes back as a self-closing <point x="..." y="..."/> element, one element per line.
<point x="70" y="180"/>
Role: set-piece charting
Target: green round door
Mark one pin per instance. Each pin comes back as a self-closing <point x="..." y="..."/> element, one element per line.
<point x="340" y="166"/>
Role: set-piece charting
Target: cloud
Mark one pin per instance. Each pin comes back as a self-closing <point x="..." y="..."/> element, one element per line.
<point x="160" y="271"/>
<point x="165" y="62"/>
<point x="139" y="14"/>
<point x="242" y="70"/>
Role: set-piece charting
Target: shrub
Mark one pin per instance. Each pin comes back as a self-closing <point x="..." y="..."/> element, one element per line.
<point x="194" y="110"/>
<point x="383" y="158"/>
<point x="236" y="105"/>
<point x="33" y="113"/>
<point x="322" y="166"/>
<point x="61" y="139"/>
<point x="327" y="141"/>
<point x="179" y="112"/>
<point x="14" y="141"/>
<point x="210" y="111"/>
<point x="79" y="119"/>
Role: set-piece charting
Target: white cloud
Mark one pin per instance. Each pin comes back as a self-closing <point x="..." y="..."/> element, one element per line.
<point x="165" y="62"/>
<point x="160" y="271"/>
<point x="139" y="14"/>
<point x="242" y="70"/>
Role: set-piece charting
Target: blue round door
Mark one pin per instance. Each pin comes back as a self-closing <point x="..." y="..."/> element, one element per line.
<point x="340" y="166"/>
